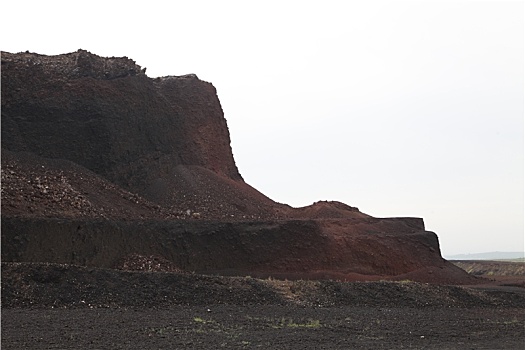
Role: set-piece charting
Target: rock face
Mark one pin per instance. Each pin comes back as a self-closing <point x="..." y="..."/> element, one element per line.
<point x="165" y="139"/>
<point x="145" y="135"/>
<point x="107" y="115"/>
<point x="93" y="143"/>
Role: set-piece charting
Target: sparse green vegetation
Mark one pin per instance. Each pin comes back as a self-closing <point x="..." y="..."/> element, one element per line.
<point x="283" y="323"/>
<point x="161" y="330"/>
<point x="511" y="321"/>
<point x="406" y="281"/>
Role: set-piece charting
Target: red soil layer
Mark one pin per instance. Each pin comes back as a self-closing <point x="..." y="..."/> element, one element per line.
<point x="100" y="162"/>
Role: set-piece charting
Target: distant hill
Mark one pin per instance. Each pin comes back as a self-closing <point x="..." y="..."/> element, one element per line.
<point x="487" y="256"/>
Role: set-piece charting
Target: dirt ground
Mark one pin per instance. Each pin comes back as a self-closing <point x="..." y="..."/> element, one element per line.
<point x="51" y="306"/>
<point x="500" y="270"/>
<point x="263" y="327"/>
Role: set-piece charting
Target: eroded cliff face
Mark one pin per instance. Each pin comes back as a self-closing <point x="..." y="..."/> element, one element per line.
<point x="95" y="153"/>
<point x="108" y="116"/>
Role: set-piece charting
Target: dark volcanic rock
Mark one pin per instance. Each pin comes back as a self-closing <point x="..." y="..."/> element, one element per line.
<point x="101" y="163"/>
<point x="108" y="116"/>
<point x="342" y="249"/>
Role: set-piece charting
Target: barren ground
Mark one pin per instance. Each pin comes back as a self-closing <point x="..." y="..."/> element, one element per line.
<point x="263" y="327"/>
<point x="51" y="306"/>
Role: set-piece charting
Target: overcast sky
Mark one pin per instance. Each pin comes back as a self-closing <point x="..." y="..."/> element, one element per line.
<point x="400" y="108"/>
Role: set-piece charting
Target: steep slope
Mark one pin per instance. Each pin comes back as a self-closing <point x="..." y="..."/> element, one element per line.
<point x="160" y="138"/>
<point x="107" y="115"/>
<point x="100" y="162"/>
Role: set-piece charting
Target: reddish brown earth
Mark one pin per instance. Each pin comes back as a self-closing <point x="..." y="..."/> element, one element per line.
<point x="123" y="214"/>
<point x="91" y="145"/>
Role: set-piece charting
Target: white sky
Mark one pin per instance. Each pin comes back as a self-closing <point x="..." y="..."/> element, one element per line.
<point x="401" y="108"/>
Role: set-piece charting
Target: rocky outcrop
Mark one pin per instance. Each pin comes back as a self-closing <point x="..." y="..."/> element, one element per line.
<point x="101" y="162"/>
<point x="165" y="140"/>
<point x="106" y="115"/>
<point x="340" y="249"/>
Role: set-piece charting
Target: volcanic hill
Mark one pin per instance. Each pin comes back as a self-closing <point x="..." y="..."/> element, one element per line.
<point x="101" y="163"/>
